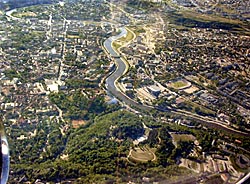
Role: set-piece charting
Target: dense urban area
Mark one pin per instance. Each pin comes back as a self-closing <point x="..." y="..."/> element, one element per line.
<point x="109" y="91"/>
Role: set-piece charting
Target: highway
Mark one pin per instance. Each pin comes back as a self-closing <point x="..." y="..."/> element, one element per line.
<point x="121" y="70"/>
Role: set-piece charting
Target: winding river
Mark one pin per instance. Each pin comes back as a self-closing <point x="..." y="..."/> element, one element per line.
<point x="120" y="71"/>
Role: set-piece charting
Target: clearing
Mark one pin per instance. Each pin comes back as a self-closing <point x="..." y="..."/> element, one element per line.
<point x="143" y="154"/>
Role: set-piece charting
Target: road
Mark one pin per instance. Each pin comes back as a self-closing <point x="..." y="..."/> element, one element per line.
<point x="120" y="71"/>
<point x="63" y="45"/>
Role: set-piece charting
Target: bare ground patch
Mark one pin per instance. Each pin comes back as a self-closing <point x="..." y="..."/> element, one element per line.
<point x="77" y="123"/>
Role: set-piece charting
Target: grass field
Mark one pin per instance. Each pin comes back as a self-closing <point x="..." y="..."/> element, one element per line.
<point x="121" y="41"/>
<point x="72" y="36"/>
<point x="206" y="18"/>
<point x="179" y="84"/>
<point x="128" y="37"/>
<point x="116" y="45"/>
<point x="194" y="18"/>
<point x="234" y="24"/>
<point x="24" y="14"/>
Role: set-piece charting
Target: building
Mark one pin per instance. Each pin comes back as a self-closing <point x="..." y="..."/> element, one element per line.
<point x="154" y="90"/>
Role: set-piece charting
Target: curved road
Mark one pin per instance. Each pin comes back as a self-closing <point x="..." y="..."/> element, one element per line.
<point x="121" y="69"/>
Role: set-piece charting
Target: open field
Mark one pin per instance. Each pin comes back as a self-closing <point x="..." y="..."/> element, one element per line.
<point x="179" y="84"/>
<point x="72" y="36"/>
<point x="24" y="14"/>
<point x="142" y="154"/>
<point x="207" y="18"/>
<point x="194" y="166"/>
<point x="191" y="18"/>
<point x="128" y="37"/>
<point x="191" y="90"/>
<point x="202" y="109"/>
<point x="122" y="41"/>
<point x="182" y="137"/>
<point x="116" y="45"/>
<point x="77" y="123"/>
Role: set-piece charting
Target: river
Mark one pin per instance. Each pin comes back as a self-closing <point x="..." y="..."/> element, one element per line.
<point x="121" y="69"/>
